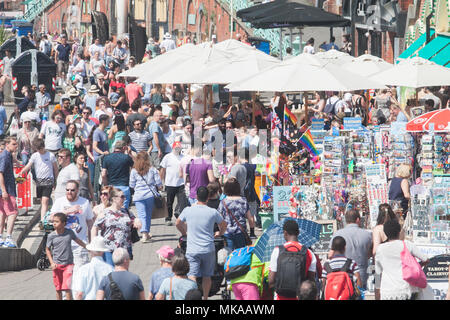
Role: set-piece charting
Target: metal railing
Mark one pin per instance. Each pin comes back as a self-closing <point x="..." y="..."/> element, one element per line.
<point x="35" y="8"/>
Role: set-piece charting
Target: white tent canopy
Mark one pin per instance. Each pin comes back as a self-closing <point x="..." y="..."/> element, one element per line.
<point x="414" y="72"/>
<point x="367" y="65"/>
<point x="334" y="56"/>
<point x="304" y="73"/>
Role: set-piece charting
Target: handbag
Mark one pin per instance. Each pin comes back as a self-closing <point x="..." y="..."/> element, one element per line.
<point x="248" y="241"/>
<point x="411" y="270"/>
<point x="134" y="233"/>
<point x="158" y="199"/>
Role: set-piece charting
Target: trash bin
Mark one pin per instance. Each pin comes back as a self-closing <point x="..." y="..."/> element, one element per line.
<point x="22" y="73"/>
<point x="266" y="219"/>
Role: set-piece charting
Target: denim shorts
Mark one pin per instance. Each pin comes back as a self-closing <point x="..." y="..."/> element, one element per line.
<point x="201" y="265"/>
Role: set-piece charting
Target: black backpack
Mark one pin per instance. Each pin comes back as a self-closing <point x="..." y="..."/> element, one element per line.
<point x="291" y="271"/>
<point x="249" y="188"/>
<point x="330" y="107"/>
<point x="116" y="293"/>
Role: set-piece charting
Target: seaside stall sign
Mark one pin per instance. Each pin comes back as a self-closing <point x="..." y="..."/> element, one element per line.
<point x="437" y="275"/>
<point x="329" y="227"/>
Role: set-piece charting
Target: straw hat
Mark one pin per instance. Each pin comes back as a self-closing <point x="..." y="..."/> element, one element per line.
<point x="93" y="89"/>
<point x="98" y="244"/>
<point x="73" y="92"/>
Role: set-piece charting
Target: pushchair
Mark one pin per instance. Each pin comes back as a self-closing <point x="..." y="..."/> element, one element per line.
<point x="218" y="279"/>
<point x="43" y="262"/>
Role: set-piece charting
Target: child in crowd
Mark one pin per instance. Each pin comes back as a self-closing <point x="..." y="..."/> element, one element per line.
<point x="59" y="252"/>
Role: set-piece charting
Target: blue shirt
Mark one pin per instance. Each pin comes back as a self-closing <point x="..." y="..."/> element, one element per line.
<point x="102" y="142"/>
<point x="87" y="279"/>
<point x="6" y="167"/>
<point x="200" y="221"/>
<point x="157" y="278"/>
<point x="154" y="127"/>
<point x="179" y="288"/>
<point x="3" y="119"/>
<point x="64" y="52"/>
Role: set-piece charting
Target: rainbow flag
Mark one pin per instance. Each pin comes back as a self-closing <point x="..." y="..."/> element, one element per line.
<point x="308" y="142"/>
<point x="288" y="115"/>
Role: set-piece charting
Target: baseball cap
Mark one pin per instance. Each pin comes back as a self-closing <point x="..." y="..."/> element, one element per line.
<point x="166" y="252"/>
<point x="176" y="144"/>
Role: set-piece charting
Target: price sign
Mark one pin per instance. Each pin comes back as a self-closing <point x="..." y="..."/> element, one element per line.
<point x="326" y="234"/>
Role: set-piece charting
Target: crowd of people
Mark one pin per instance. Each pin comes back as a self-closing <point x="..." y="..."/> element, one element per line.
<point x="107" y="146"/>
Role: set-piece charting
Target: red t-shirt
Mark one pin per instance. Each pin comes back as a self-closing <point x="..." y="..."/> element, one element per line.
<point x="132" y="91"/>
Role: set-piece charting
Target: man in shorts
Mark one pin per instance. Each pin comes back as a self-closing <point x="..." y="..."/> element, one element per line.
<point x="199" y="219"/>
<point x="8" y="206"/>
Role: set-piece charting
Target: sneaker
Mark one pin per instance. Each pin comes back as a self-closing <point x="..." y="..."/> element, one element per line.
<point x="1" y="242"/>
<point x="9" y="243"/>
<point x="253" y="236"/>
<point x="168" y="223"/>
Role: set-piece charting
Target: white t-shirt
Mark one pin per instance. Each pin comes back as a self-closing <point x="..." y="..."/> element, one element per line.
<point x="77" y="221"/>
<point x="69" y="172"/>
<point x="87" y="128"/>
<point x="53" y="133"/>
<point x="43" y="164"/>
<point x="172" y="163"/>
<point x="99" y="112"/>
<point x="309" y="49"/>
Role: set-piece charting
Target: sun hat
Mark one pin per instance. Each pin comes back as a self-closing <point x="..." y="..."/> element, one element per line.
<point x="73" y="92"/>
<point x="167" y="36"/>
<point x="100" y="76"/>
<point x="93" y="89"/>
<point x="166" y="252"/>
<point x="348" y="97"/>
<point x="97" y="244"/>
<point x="26" y="118"/>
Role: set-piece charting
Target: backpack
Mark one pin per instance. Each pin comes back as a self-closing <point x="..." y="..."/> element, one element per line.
<point x="339" y="285"/>
<point x="249" y="188"/>
<point x="291" y="271"/>
<point x="116" y="293"/>
<point x="238" y="262"/>
<point x="330" y="107"/>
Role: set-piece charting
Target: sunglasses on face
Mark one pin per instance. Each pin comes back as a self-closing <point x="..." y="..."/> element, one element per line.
<point x="71" y="190"/>
<point x="61" y="156"/>
<point x="105" y="194"/>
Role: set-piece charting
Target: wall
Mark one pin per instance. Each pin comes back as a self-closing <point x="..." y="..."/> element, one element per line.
<point x="209" y="15"/>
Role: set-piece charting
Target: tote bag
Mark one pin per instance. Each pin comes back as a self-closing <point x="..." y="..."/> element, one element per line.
<point x="411" y="270"/>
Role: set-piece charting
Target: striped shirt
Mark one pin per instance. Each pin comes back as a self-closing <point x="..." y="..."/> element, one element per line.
<point x="139" y="140"/>
<point x="337" y="262"/>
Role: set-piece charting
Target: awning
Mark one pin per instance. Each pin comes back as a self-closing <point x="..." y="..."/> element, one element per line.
<point x="437" y="50"/>
<point x="289" y="13"/>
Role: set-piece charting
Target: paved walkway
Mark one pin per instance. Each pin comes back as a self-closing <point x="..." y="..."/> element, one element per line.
<point x="38" y="285"/>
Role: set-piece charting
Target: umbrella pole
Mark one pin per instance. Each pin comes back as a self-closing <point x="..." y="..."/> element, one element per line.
<point x="306" y="110"/>
<point x="210" y="101"/>
<point x="253" y="107"/>
<point x="204" y="99"/>
<point x="281" y="44"/>
<point x="189" y="100"/>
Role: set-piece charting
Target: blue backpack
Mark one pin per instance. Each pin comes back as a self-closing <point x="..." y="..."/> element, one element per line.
<point x="238" y="262"/>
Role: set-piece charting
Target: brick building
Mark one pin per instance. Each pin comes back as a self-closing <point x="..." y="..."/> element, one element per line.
<point x="202" y="18"/>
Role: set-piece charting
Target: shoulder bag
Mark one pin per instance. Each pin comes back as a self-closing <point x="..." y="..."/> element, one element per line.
<point x="158" y="199"/>
<point x="134" y="233"/>
<point x="248" y="241"/>
<point x="116" y="293"/>
<point x="411" y="270"/>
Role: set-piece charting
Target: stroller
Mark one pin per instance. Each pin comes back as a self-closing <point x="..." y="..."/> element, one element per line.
<point x="43" y="262"/>
<point x="217" y="280"/>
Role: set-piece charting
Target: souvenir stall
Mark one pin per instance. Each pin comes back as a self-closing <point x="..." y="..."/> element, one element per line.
<point x="430" y="196"/>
